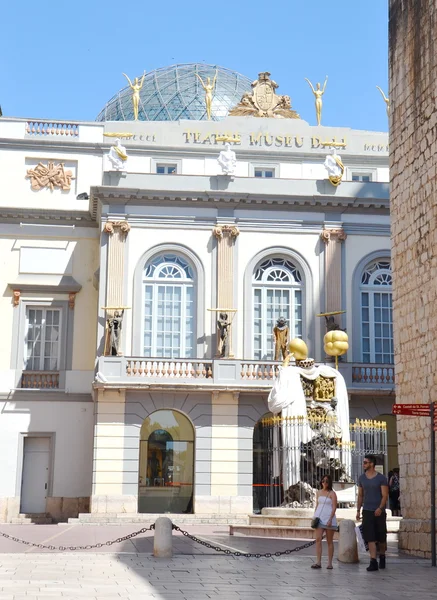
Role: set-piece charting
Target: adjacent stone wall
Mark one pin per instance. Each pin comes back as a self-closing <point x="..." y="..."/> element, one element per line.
<point x="413" y="159"/>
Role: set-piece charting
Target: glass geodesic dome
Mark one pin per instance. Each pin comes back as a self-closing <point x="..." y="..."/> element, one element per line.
<point x="174" y="93"/>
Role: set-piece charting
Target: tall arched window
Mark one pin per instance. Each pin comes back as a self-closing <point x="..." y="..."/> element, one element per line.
<point x="277" y="292"/>
<point x="376" y="313"/>
<point x="169" y="299"/>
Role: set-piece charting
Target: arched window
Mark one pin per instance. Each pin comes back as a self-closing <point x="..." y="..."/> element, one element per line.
<point x="169" y="299"/>
<point x="277" y="292"/>
<point x="376" y="313"/>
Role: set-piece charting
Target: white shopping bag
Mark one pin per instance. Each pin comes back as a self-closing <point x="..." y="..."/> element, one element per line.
<point x="362" y="545"/>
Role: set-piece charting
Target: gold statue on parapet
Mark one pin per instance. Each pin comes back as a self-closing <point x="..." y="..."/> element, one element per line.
<point x="386" y="100"/>
<point x="209" y="90"/>
<point x="318" y="93"/>
<point x="264" y="102"/>
<point x="135" y="87"/>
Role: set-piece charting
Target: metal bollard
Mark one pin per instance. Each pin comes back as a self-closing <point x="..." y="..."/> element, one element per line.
<point x="163" y="539"/>
<point x="347" y="542"/>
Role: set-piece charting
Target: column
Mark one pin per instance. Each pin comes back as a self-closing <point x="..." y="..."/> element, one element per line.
<point x="226" y="236"/>
<point x="117" y="231"/>
<point x="333" y="284"/>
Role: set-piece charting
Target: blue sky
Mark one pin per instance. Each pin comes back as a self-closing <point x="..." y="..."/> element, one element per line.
<point x="64" y="60"/>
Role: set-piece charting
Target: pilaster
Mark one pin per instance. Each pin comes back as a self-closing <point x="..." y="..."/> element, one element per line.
<point x="117" y="231"/>
<point x="226" y="236"/>
<point x="108" y="460"/>
<point x="333" y="239"/>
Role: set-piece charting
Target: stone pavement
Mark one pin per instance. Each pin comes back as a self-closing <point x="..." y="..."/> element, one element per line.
<point x="194" y="573"/>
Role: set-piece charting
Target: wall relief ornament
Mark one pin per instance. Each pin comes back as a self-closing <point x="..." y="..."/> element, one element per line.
<point x="50" y="175"/>
<point x="16" y="297"/>
<point x="264" y="102"/>
<point x="110" y="226"/>
<point x="219" y="230"/>
<point x="71" y="300"/>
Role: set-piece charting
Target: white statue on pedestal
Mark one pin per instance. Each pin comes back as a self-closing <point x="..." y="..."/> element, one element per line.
<point x="287" y="398"/>
<point x="335" y="167"/>
<point x="117" y="157"/>
<point x="227" y="160"/>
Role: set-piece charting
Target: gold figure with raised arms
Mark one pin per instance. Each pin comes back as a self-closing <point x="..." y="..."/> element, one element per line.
<point x="318" y="93"/>
<point x="209" y="90"/>
<point x="135" y="87"/>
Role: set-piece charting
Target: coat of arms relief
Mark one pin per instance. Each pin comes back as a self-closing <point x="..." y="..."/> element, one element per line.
<point x="264" y="102"/>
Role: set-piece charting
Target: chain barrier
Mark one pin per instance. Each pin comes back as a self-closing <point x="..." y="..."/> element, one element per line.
<point x="73" y="548"/>
<point x="151" y="528"/>
<point x="243" y="554"/>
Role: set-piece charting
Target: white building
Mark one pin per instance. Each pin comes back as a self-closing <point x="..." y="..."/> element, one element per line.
<point x="169" y="237"/>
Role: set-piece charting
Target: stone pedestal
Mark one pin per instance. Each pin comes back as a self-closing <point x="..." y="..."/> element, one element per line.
<point x="347" y="542"/>
<point x="163" y="540"/>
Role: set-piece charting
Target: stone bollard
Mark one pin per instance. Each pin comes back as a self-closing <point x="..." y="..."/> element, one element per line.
<point x="347" y="542"/>
<point x="162" y="541"/>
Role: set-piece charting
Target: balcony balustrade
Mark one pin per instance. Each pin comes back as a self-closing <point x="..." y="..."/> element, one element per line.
<point x="133" y="370"/>
<point x="45" y="380"/>
<point x="50" y="129"/>
<point x="373" y="374"/>
<point x="170" y="369"/>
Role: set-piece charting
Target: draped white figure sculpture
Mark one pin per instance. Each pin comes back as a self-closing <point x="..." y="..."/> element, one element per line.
<point x="227" y="160"/>
<point x="335" y="167"/>
<point x="287" y="398"/>
<point x="117" y="156"/>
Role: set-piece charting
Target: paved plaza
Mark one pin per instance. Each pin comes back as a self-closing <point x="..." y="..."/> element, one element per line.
<point x="128" y="570"/>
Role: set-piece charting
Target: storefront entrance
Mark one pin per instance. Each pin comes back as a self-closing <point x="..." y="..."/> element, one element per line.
<point x="166" y="464"/>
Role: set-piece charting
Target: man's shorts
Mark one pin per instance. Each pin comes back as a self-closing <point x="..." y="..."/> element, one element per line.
<point x="374" y="528"/>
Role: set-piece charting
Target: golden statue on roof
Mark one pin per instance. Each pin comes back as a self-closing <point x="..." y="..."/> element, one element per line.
<point x="318" y="93"/>
<point x="264" y="102"/>
<point x="209" y="91"/>
<point x="136" y="88"/>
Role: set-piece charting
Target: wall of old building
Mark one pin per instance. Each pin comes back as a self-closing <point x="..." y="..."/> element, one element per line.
<point x="413" y="160"/>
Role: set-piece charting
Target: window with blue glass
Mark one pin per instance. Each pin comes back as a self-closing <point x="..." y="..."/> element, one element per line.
<point x="277" y="292"/>
<point x="264" y="173"/>
<point x="169" y="303"/>
<point x="377" y="313"/>
<point x="166" y="169"/>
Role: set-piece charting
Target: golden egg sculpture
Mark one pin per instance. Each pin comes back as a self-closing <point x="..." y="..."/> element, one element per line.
<point x="336" y="343"/>
<point x="298" y="349"/>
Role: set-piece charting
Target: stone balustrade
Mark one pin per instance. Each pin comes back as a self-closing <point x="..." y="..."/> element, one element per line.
<point x="151" y="368"/>
<point x="373" y="374"/>
<point x="233" y="372"/>
<point x="40" y="380"/>
<point x="51" y="129"/>
<point x="261" y="371"/>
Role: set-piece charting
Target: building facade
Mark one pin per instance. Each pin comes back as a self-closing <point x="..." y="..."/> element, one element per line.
<point x="152" y="419"/>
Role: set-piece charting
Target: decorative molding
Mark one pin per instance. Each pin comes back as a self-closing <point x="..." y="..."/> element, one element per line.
<point x="110" y="227"/>
<point x="51" y="176"/>
<point x="219" y="231"/>
<point x="16" y="297"/>
<point x="335" y="234"/>
<point x="45" y="284"/>
<point x="71" y="300"/>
